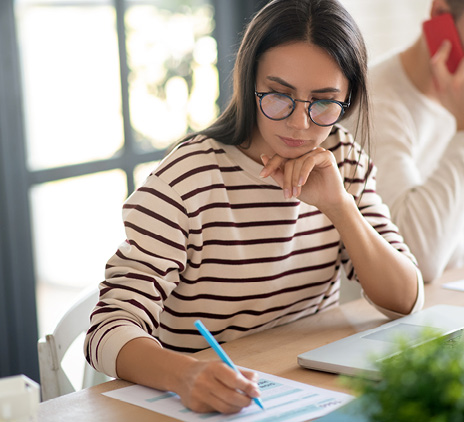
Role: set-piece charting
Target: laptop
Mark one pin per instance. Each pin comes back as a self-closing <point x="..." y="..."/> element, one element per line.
<point x="353" y="355"/>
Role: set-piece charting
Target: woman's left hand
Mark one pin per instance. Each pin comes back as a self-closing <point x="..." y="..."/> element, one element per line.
<point x="313" y="178"/>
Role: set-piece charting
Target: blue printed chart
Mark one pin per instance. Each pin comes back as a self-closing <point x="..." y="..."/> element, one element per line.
<point x="284" y="401"/>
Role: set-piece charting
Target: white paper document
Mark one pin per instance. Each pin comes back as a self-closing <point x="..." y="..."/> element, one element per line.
<point x="284" y="401"/>
<point x="454" y="285"/>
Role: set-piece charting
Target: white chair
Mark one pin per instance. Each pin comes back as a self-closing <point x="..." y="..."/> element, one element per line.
<point x="53" y="347"/>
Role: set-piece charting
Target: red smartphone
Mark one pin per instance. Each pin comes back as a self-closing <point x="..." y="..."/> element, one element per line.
<point x="438" y="29"/>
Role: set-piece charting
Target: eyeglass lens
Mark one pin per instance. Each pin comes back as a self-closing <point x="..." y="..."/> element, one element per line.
<point x="322" y="112"/>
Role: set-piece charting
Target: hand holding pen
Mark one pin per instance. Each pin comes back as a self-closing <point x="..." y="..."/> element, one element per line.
<point x="221" y="353"/>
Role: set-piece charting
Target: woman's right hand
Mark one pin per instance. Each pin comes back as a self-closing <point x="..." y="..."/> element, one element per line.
<point x="203" y="386"/>
<point x="214" y="386"/>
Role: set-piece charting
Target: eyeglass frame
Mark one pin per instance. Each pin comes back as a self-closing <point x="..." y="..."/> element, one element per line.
<point x="342" y="104"/>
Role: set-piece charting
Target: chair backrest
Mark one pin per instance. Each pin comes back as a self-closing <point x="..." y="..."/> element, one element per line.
<point x="53" y="347"/>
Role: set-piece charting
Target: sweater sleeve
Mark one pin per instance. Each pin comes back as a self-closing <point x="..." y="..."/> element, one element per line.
<point x="363" y="187"/>
<point x="140" y="276"/>
<point x="428" y="212"/>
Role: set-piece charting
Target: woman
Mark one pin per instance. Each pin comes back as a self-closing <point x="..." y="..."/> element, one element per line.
<point x="215" y="235"/>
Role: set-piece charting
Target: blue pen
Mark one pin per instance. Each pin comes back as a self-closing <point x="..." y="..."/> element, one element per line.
<point x="220" y="352"/>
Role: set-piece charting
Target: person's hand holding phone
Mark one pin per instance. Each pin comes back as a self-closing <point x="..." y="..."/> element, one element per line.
<point x="441" y="28"/>
<point x="450" y="86"/>
<point x="447" y="63"/>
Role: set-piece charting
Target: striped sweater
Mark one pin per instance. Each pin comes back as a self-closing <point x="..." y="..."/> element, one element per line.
<point x="207" y="238"/>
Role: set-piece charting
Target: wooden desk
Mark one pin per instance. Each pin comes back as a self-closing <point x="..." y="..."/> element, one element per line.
<point x="273" y="351"/>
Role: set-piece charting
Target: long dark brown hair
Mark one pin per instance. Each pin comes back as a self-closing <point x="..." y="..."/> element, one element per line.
<point x="324" y="23"/>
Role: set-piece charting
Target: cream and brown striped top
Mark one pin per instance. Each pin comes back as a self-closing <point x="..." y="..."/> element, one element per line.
<point x="208" y="239"/>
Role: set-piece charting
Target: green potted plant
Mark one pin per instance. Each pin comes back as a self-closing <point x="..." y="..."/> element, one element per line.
<point x="424" y="383"/>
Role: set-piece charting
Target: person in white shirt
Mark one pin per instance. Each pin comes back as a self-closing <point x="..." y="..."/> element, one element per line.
<point x="418" y="146"/>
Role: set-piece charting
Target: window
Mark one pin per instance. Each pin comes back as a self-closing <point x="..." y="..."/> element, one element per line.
<point x="107" y="86"/>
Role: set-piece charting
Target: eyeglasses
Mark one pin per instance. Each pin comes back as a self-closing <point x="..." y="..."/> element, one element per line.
<point x="277" y="106"/>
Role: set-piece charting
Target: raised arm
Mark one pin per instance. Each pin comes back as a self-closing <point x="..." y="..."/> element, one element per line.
<point x="428" y="212"/>
<point x="420" y="157"/>
<point x="388" y="277"/>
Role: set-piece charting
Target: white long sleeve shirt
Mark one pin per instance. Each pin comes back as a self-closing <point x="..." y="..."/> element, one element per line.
<point x="420" y="161"/>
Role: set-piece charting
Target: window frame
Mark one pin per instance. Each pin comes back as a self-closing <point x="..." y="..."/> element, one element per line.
<point x="18" y="310"/>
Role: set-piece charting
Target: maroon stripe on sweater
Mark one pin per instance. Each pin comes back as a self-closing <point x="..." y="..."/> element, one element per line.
<point x="352" y="181"/>
<point x="177" y="264"/>
<point x="229" y="298"/>
<point x="115" y="286"/>
<point x="384" y="232"/>
<point x="161" y="196"/>
<point x="369" y="191"/>
<point x="259" y="223"/>
<point x="227" y="188"/>
<point x="146" y="264"/>
<point x="140" y="306"/>
<point x="253" y="187"/>
<point x="257" y="241"/>
<point x="191" y="154"/>
<point x="101" y="325"/>
<point x="159" y="238"/>
<point x="373" y="214"/>
<point x="251" y="312"/>
<point x="201" y="190"/>
<point x="223" y="279"/>
<point x="156" y="216"/>
<point x="203" y="169"/>
<point x="251" y="205"/>
<point x="340" y="145"/>
<point x="262" y="260"/>
<point x="348" y="162"/>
